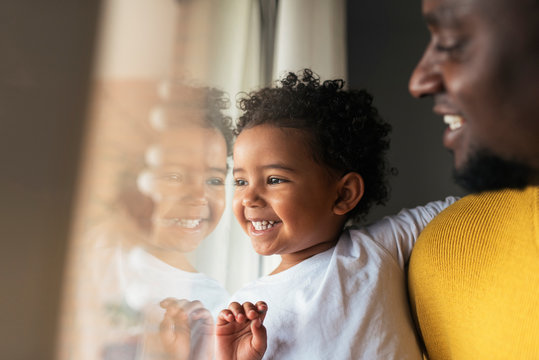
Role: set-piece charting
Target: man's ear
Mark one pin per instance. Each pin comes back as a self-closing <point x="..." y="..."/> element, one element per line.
<point x="350" y="191"/>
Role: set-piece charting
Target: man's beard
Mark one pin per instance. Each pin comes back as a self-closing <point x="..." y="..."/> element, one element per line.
<point x="485" y="171"/>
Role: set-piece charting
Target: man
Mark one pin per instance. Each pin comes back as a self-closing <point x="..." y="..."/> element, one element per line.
<point x="474" y="272"/>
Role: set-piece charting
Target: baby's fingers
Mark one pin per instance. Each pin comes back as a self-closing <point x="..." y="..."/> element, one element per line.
<point x="201" y="314"/>
<point x="262" y="309"/>
<point x="238" y="311"/>
<point x="242" y="313"/>
<point x="225" y="316"/>
<point x="173" y="306"/>
<point x="257" y="311"/>
<point x="168" y="302"/>
<point x="259" y="341"/>
<point x="250" y="310"/>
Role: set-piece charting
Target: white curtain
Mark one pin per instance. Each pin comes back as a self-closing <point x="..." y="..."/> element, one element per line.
<point x="311" y="33"/>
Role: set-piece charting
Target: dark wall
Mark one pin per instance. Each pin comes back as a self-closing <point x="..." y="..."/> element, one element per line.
<point x="386" y="38"/>
<point x="46" y="54"/>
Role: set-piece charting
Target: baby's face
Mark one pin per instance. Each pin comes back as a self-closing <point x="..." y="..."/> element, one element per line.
<point x="188" y="177"/>
<point x="283" y="199"/>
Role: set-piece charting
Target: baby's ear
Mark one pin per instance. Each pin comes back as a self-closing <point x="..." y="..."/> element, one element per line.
<point x="350" y="191"/>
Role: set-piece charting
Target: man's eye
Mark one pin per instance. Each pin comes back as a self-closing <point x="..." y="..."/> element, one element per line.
<point x="274" y="181"/>
<point x="447" y="48"/>
<point x="451" y="48"/>
<point x="240" y="182"/>
<point x="215" y="181"/>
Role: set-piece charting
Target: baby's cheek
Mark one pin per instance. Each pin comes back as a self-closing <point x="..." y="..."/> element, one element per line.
<point x="237" y="209"/>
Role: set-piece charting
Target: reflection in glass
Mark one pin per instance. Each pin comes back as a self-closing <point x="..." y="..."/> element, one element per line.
<point x="133" y="206"/>
<point x="140" y="256"/>
<point x="152" y="186"/>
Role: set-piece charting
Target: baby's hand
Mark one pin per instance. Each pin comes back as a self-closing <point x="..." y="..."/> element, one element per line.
<point x="186" y="329"/>
<point x="240" y="333"/>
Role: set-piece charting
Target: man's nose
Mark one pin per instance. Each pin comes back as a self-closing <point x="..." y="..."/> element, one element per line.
<point x="426" y="78"/>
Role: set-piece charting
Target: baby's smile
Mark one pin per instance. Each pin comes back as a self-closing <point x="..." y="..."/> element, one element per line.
<point x="184" y="223"/>
<point x="264" y="224"/>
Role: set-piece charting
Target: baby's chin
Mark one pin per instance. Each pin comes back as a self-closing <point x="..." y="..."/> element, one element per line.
<point x="177" y="240"/>
<point x="262" y="250"/>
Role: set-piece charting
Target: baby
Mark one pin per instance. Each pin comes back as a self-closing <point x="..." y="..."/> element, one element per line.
<point x="136" y="260"/>
<point x="310" y="158"/>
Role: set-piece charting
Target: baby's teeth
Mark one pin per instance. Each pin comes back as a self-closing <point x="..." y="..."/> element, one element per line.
<point x="263" y="225"/>
<point x="454" y="121"/>
<point x="185" y="223"/>
<point x="189" y="224"/>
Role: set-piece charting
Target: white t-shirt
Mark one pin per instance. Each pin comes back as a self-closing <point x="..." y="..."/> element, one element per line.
<point x="130" y="283"/>
<point x="143" y="279"/>
<point x="349" y="302"/>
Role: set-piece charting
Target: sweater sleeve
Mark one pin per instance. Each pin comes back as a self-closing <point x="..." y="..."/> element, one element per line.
<point x="398" y="233"/>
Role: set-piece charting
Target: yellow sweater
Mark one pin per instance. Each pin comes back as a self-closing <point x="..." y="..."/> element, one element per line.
<point x="474" y="278"/>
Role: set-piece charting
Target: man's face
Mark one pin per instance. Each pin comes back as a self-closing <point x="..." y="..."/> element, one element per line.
<point x="481" y="66"/>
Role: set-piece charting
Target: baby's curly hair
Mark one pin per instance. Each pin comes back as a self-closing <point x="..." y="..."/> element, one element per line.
<point x="346" y="132"/>
<point x="199" y="106"/>
<point x="216" y="101"/>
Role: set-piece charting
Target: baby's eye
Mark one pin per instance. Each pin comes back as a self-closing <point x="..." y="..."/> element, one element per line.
<point x="240" y="182"/>
<point x="215" y="181"/>
<point x="274" y="180"/>
<point x="172" y="177"/>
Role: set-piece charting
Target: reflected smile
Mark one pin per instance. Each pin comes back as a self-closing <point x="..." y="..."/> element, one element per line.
<point x="184" y="223"/>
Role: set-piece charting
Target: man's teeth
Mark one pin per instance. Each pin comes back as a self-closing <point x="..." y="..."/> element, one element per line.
<point x="454" y="121"/>
<point x="263" y="225"/>
<point x="185" y="223"/>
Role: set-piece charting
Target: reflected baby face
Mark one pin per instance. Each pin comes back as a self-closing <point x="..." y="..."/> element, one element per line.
<point x="188" y="171"/>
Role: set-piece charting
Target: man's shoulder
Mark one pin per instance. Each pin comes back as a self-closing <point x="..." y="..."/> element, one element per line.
<point x="493" y="201"/>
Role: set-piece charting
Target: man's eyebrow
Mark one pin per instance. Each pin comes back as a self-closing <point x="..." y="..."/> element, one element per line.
<point x="446" y="16"/>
